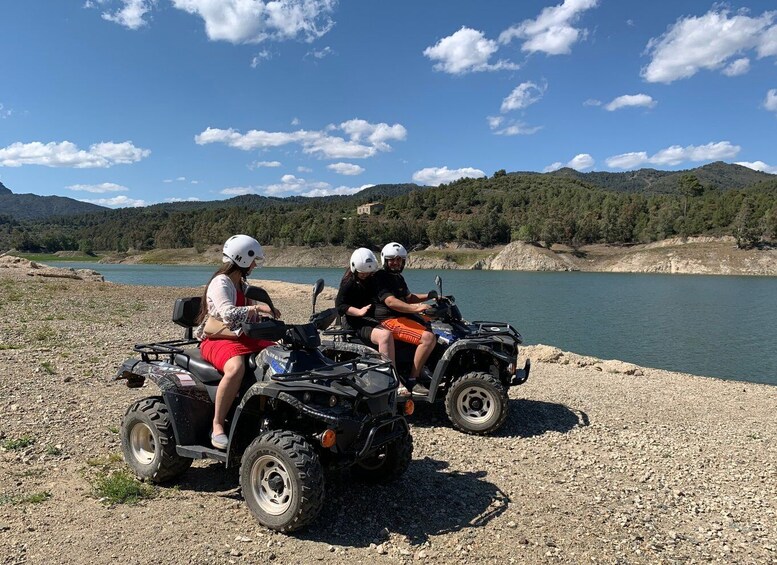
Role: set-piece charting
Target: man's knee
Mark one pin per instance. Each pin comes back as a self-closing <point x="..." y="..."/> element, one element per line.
<point x="427" y="338"/>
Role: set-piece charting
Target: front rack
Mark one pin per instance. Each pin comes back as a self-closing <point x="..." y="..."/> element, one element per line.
<point x="496" y="328"/>
<point x="348" y="378"/>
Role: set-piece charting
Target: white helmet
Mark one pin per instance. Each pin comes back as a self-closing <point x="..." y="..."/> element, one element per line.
<point x="242" y="250"/>
<point x="391" y="250"/>
<point x="363" y="261"/>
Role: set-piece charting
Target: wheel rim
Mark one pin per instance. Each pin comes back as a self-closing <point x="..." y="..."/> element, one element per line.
<point x="476" y="405"/>
<point x="271" y="485"/>
<point x="142" y="443"/>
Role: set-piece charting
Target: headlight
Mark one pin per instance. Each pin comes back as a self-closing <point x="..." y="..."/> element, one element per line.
<point x="332" y="401"/>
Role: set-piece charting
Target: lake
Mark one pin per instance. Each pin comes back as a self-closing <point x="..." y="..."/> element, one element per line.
<point x="717" y="326"/>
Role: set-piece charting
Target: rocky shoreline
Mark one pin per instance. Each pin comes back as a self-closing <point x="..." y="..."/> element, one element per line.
<point x="695" y="255"/>
<point x="599" y="461"/>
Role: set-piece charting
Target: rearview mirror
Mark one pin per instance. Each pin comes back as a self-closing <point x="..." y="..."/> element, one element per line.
<point x="317" y="288"/>
<point x="438" y="284"/>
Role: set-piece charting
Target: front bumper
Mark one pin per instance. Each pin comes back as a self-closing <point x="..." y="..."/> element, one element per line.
<point x="520" y="376"/>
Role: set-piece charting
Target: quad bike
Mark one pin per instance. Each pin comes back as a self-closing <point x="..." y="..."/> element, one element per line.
<point x="471" y="367"/>
<point x="297" y="413"/>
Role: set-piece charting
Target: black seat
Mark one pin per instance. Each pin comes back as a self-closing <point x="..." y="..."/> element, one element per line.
<point x="193" y="362"/>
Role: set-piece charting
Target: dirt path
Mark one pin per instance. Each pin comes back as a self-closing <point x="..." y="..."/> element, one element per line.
<point x="591" y="466"/>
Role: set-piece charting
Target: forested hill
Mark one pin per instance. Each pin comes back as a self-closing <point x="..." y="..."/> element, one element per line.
<point x="719" y="175"/>
<point x="532" y="207"/>
<point x="32" y="206"/>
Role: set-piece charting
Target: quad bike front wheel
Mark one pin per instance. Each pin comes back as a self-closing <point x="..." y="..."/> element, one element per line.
<point x="148" y="442"/>
<point x="282" y="480"/>
<point x="388" y="464"/>
<point x="477" y="403"/>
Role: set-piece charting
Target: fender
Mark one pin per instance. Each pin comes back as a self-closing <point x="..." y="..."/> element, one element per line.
<point x="455" y="349"/>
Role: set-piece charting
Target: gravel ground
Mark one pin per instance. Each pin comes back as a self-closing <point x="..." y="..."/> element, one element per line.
<point x="591" y="465"/>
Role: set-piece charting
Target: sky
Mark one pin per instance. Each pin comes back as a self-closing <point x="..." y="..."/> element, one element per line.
<point x="136" y="102"/>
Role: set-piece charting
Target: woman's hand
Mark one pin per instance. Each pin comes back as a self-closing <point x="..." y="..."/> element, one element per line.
<point x="363" y="311"/>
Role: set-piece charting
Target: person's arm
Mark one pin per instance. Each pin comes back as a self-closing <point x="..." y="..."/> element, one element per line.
<point x="222" y="296"/>
<point x="341" y="301"/>
<point x="404" y="307"/>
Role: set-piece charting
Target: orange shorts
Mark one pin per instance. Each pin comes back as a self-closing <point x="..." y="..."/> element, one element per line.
<point x="405" y="329"/>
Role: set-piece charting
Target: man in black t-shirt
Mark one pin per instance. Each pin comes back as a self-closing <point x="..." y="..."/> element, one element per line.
<point x="397" y="307"/>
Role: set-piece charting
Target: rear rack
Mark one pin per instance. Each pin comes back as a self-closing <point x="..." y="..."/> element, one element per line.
<point x="348" y="378"/>
<point x="152" y="351"/>
<point x="497" y="328"/>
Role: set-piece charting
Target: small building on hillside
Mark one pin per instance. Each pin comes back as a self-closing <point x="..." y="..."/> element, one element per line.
<point x="370" y="208"/>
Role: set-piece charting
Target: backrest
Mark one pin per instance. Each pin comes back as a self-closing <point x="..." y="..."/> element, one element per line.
<point x="186" y="310"/>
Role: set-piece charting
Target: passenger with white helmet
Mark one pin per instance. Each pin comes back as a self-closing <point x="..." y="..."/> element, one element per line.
<point x="224" y="299"/>
<point x="398" y="308"/>
<point x="356" y="301"/>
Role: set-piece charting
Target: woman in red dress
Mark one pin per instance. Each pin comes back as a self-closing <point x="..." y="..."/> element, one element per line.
<point x="224" y="299"/>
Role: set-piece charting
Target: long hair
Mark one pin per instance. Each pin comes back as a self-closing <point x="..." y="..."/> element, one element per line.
<point x="225" y="269"/>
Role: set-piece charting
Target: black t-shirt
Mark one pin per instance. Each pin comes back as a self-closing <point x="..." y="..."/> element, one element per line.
<point x="356" y="293"/>
<point x="389" y="284"/>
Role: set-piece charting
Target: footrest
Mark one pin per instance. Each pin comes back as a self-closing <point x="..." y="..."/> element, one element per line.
<point x="201" y="452"/>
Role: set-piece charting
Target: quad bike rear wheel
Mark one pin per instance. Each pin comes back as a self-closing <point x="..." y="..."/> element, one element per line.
<point x="388" y="464"/>
<point x="282" y="480"/>
<point x="148" y="442"/>
<point x="477" y="403"/>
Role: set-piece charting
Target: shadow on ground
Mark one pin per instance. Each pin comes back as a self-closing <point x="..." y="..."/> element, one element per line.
<point x="526" y="418"/>
<point x="429" y="500"/>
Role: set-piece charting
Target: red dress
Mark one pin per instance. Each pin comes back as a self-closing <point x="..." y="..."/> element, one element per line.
<point x="218" y="351"/>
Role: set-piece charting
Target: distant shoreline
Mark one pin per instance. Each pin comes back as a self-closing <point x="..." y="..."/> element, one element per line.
<point x="697" y="255"/>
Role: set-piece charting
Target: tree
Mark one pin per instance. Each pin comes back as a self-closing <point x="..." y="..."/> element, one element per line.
<point x="690" y="187"/>
<point x="745" y="226"/>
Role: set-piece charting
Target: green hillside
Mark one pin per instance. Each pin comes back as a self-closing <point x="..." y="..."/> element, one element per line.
<point x="559" y="207"/>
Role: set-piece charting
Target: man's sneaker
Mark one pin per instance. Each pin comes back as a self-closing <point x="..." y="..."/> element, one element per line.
<point x="402" y="392"/>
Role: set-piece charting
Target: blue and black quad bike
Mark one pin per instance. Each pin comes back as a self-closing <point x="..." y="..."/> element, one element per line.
<point x="471" y="368"/>
<point x="297" y="413"/>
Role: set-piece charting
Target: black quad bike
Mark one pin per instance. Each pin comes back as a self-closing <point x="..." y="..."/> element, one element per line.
<point x="297" y="413"/>
<point x="472" y="366"/>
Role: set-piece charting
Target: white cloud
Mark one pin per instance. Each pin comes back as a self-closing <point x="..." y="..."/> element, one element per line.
<point x="339" y="191"/>
<point x="365" y="139"/>
<point x="759" y="166"/>
<point x="592" y="102"/>
<point x="98" y="188"/>
<point x="434" y="176"/>
<point x="579" y="162"/>
<point x="167" y="181"/>
<point x="675" y="155"/>
<point x="263" y="55"/>
<point x="770" y="103"/>
<point x="522" y="96"/>
<point x="254" y="21"/>
<point x="190" y="199"/>
<point x="319" y="53"/>
<point x="302" y="169"/>
<point x="117" y="202"/>
<point x="630" y="100"/>
<point x="295" y="122"/>
<point x="738" y="67"/>
<point x="348" y="169"/>
<point x="709" y="42"/>
<point x="511" y="127"/>
<point x="5" y="112"/>
<point x="238" y="190"/>
<point x="268" y="164"/>
<point x="466" y="51"/>
<point x="67" y="154"/>
<point x="552" y="32"/>
<point x="129" y="15"/>
<point x="180" y="179"/>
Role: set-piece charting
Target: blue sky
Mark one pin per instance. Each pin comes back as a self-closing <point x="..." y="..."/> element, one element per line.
<point x="135" y="102"/>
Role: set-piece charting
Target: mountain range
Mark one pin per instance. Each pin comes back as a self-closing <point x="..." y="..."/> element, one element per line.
<point x="718" y="175"/>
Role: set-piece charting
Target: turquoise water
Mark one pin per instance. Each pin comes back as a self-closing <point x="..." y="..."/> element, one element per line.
<point x="718" y="326"/>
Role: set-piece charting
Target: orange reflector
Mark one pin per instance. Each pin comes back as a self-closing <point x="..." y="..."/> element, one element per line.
<point x="328" y="438"/>
<point x="409" y="407"/>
